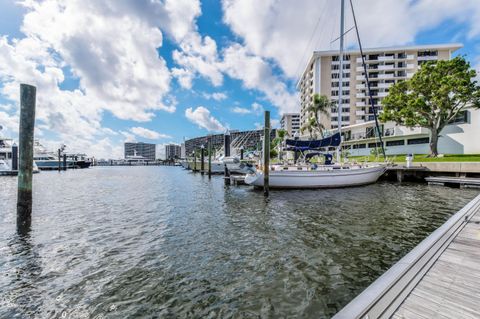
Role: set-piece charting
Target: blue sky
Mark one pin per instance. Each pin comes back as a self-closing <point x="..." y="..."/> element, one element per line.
<point x="157" y="72"/>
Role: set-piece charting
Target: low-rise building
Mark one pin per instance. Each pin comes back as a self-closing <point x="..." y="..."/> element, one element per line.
<point x="458" y="137"/>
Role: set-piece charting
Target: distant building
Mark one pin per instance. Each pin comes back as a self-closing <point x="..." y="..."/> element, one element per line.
<point x="172" y="151"/>
<point x="385" y="67"/>
<point x="145" y="150"/>
<point x="183" y="153"/>
<point x="247" y="139"/>
<point x="290" y="122"/>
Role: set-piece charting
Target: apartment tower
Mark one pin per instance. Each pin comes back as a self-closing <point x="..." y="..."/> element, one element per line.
<point x="385" y="66"/>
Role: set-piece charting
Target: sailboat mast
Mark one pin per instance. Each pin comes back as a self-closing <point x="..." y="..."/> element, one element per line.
<point x="340" y="84"/>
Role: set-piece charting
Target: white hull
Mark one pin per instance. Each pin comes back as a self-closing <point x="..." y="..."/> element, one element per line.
<point x="323" y="177"/>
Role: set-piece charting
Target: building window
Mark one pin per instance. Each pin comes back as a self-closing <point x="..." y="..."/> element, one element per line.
<point x="357" y="146"/>
<point x="414" y="141"/>
<point x="461" y="118"/>
<point x="396" y="143"/>
<point x="374" y="145"/>
<point x="428" y="53"/>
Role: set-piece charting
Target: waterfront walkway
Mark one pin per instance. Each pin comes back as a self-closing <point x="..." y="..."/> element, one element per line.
<point x="440" y="278"/>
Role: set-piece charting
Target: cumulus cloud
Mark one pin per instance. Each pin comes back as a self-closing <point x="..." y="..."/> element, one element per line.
<point x="257" y="74"/>
<point x="110" y="47"/>
<point x="146" y="133"/>
<point x="217" y="96"/>
<point x="256" y="109"/>
<point x="241" y="110"/>
<point x="202" y="117"/>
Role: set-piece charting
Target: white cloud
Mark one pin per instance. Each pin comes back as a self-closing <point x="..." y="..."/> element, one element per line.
<point x="202" y="117"/>
<point x="257" y="74"/>
<point x="241" y="110"/>
<point x="146" y="133"/>
<point x="111" y="49"/>
<point x="217" y="96"/>
<point x="256" y="109"/>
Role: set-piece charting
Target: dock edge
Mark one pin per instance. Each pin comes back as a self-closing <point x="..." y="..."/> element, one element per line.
<point x="383" y="297"/>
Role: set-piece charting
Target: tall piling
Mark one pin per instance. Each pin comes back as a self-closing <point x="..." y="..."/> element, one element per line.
<point x="59" y="160"/>
<point x="64" y="162"/>
<point x="241" y="153"/>
<point x="14" y="157"/>
<point x="194" y="161"/>
<point x="25" y="171"/>
<point x="266" y="153"/>
<point x="202" y="159"/>
<point x="209" y="157"/>
<point x="226" y="150"/>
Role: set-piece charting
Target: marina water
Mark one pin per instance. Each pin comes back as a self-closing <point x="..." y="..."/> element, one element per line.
<point x="154" y="242"/>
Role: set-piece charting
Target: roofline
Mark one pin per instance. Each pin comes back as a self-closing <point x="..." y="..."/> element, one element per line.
<point x="453" y="46"/>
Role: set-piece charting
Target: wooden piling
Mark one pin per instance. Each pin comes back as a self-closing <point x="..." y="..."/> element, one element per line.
<point x="202" y="159"/>
<point x="14" y="157"/>
<point x="59" y="160"/>
<point x="64" y="162"/>
<point x="266" y="153"/>
<point x="209" y="157"/>
<point x="25" y="171"/>
<point x="194" y="161"/>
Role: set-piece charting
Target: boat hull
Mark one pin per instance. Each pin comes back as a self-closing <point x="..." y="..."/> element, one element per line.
<point x="321" y="178"/>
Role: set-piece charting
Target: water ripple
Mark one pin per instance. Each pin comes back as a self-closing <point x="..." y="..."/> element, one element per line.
<point x="154" y="242"/>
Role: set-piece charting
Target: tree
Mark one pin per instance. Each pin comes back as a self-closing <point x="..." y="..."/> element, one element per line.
<point x="433" y="97"/>
<point x="321" y="105"/>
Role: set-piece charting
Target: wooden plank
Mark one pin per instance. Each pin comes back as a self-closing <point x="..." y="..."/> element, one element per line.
<point x="450" y="288"/>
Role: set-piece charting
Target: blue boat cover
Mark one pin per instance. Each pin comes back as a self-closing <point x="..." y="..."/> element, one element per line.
<point x="299" y="145"/>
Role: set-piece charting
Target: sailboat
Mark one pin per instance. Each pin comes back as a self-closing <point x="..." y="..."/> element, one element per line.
<point x="328" y="175"/>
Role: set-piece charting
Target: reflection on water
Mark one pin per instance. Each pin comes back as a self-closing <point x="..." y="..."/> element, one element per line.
<point x="162" y="242"/>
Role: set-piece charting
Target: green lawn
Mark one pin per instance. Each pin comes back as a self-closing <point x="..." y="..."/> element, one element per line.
<point x="421" y="158"/>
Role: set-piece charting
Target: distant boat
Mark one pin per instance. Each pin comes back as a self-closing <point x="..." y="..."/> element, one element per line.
<point x="6" y="156"/>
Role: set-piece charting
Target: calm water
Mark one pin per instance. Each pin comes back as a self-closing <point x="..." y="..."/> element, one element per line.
<point x="160" y="242"/>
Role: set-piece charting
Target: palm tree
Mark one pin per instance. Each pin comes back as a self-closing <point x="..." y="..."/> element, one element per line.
<point x="321" y="105"/>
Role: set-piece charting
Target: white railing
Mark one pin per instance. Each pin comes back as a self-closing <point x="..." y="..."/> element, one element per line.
<point x="410" y="66"/>
<point x="360" y="104"/>
<point x="359" y="113"/>
<point x="410" y="57"/>
<point x="360" y="95"/>
<point x="386" y="67"/>
<point x="382" y="94"/>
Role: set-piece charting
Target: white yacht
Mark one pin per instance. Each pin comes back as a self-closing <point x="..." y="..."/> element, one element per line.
<point x="6" y="158"/>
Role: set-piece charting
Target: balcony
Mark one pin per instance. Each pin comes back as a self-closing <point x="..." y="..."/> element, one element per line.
<point x="410" y="56"/>
<point x="359" y="113"/>
<point x="360" y="77"/>
<point x="428" y="58"/>
<point x="384" y="85"/>
<point x="359" y="69"/>
<point x="386" y="76"/>
<point x="410" y="75"/>
<point x="410" y="66"/>
<point x="360" y="104"/>
<point x="360" y="86"/>
<point x="386" y="58"/>
<point x="382" y="94"/>
<point x="360" y="95"/>
<point x="386" y="67"/>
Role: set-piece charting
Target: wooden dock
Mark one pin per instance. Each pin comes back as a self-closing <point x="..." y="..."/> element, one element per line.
<point x="453" y="181"/>
<point x="439" y="278"/>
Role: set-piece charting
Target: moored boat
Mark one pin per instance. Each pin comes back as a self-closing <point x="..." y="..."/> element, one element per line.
<point x="323" y="176"/>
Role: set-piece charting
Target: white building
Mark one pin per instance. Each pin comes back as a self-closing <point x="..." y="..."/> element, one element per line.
<point x="172" y="151"/>
<point x="290" y="122"/>
<point x="385" y="66"/>
<point x="459" y="137"/>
